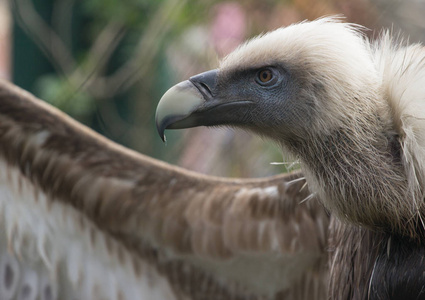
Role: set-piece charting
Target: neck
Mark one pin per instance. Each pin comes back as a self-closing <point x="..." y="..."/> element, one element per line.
<point x="362" y="180"/>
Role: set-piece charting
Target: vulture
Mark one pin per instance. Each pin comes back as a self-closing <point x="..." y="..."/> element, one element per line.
<point x="84" y="218"/>
<point x="352" y="111"/>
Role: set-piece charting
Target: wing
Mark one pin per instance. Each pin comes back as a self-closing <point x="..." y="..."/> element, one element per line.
<point x="85" y="218"/>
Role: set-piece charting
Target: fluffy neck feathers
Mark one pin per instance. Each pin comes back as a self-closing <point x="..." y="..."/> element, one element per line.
<point x="362" y="181"/>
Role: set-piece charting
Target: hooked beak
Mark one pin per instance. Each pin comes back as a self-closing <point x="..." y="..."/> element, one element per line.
<point x="193" y="103"/>
<point x="174" y="110"/>
<point x="174" y="107"/>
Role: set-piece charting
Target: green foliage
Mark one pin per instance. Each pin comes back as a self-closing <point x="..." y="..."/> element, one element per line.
<point x="132" y="13"/>
<point x="117" y="67"/>
<point x="60" y="94"/>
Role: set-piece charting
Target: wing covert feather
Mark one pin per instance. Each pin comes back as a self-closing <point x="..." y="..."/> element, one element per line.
<point x="206" y="237"/>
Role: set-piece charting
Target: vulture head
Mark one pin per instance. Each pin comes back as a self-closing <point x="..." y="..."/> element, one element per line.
<point x="287" y="84"/>
<point x="324" y="94"/>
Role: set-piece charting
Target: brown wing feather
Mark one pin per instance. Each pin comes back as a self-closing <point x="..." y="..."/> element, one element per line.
<point x="239" y="238"/>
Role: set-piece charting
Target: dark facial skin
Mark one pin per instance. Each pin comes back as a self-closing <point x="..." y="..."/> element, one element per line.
<point x="264" y="99"/>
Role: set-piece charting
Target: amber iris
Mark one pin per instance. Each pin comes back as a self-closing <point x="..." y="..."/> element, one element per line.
<point x="265" y="75"/>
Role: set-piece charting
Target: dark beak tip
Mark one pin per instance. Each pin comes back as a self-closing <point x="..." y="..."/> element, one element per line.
<point x="161" y="131"/>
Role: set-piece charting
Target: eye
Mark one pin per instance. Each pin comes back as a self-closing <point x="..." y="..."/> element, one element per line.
<point x="266" y="77"/>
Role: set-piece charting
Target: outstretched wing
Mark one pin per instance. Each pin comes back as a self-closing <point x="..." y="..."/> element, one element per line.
<point x="84" y="218"/>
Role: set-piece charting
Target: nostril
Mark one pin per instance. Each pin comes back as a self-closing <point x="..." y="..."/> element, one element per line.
<point x="206" y="83"/>
<point x="206" y="87"/>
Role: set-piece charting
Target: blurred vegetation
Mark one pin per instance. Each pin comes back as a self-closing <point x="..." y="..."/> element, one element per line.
<point x="108" y="62"/>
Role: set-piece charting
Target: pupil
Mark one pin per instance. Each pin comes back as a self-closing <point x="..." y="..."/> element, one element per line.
<point x="265" y="76"/>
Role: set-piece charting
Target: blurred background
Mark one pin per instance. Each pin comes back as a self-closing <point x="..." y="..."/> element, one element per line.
<point x="108" y="62"/>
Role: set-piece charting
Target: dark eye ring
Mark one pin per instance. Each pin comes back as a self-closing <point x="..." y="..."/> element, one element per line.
<point x="265" y="77"/>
